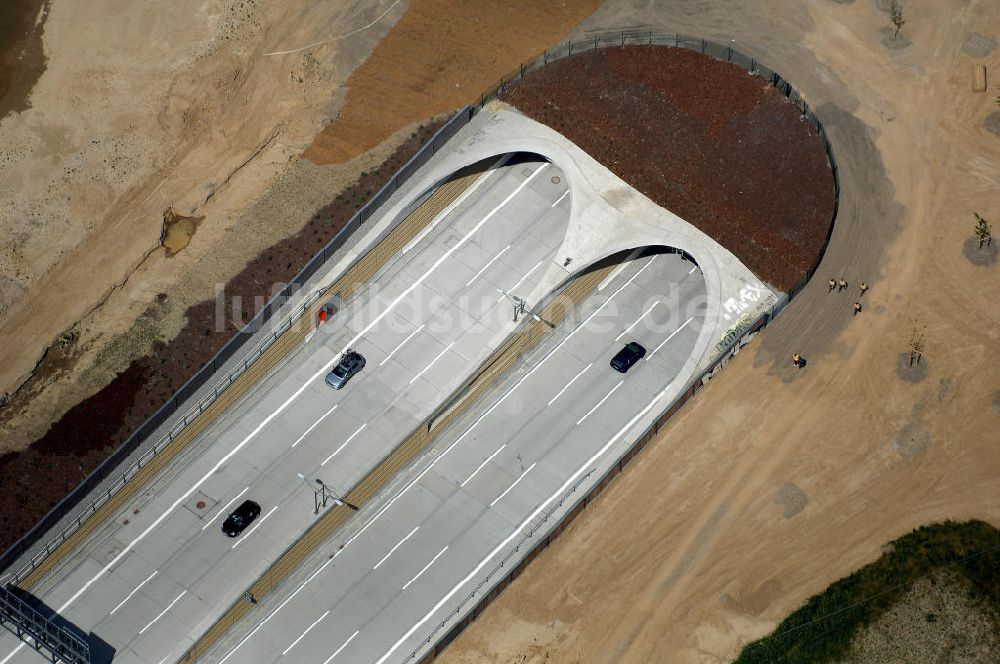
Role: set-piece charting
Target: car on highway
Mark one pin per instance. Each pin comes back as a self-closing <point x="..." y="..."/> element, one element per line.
<point x="242" y="517"/>
<point x="627" y="356"/>
<point x="350" y="363"/>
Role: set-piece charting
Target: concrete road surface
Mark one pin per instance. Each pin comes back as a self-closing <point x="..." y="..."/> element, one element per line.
<point x="155" y="577"/>
<point x="375" y="592"/>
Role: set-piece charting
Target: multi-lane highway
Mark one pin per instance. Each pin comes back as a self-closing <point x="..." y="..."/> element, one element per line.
<point x="154" y="578"/>
<point x="420" y="553"/>
<point x="375" y="593"/>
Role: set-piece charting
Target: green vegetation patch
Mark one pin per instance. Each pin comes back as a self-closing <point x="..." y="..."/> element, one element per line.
<point x="823" y="629"/>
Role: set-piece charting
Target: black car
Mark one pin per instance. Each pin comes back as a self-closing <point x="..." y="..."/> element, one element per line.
<point x="627" y="356"/>
<point x="241" y="518"/>
<point x="351" y="363"/>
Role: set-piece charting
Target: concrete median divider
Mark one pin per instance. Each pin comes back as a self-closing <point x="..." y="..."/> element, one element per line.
<point x="358" y="274"/>
<point x="500" y="361"/>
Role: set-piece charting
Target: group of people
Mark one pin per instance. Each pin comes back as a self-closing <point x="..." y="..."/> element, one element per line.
<point x="840" y="285"/>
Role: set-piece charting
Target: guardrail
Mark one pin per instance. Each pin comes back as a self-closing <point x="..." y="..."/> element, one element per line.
<point x="728" y="346"/>
<point x="647" y="435"/>
<point x="108" y="468"/>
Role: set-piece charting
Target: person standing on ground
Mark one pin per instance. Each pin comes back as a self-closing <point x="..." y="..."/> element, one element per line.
<point x="842" y="284"/>
<point x="857" y="308"/>
<point x="864" y="288"/>
<point x="833" y="284"/>
<point x="797" y="361"/>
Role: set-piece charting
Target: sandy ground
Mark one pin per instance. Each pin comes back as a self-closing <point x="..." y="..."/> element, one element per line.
<point x="229" y="95"/>
<point x="179" y="106"/>
<point x="767" y="486"/>
<point x="774" y="482"/>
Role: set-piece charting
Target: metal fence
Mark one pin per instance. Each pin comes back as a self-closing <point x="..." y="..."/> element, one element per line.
<point x="121" y="476"/>
<point x="508" y="568"/>
<point x="53" y="641"/>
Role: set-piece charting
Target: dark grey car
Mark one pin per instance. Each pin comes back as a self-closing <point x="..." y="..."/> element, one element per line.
<point x="627" y="356"/>
<point x="351" y="363"/>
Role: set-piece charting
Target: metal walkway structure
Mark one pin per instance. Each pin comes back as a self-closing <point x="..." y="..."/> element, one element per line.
<point x="52" y="641"/>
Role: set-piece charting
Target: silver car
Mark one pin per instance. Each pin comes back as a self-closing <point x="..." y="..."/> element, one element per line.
<point x="350" y="363"/>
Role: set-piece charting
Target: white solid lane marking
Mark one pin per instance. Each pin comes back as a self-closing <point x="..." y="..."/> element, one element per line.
<point x="393" y="549"/>
<point x="559" y="200"/>
<point x="465" y="433"/>
<point x="685" y="324"/>
<point x="604" y="304"/>
<point x="531" y="517"/>
<point x="337" y="651"/>
<point x="129" y="596"/>
<point x="566" y="387"/>
<point x="454" y="204"/>
<point x="426" y="470"/>
<point x="629" y="328"/>
<point x="485" y="267"/>
<point x="516" y="482"/>
<point x="223" y="510"/>
<point x="439" y="356"/>
<point x="606" y="397"/>
<point x="163" y="612"/>
<point x="285" y="405"/>
<point x="256" y="526"/>
<point x="426" y="567"/>
<point x="303" y="635"/>
<point x="314" y="425"/>
<point x="401" y="344"/>
<point x="483" y="464"/>
<point x="521" y="280"/>
<point x="349" y="439"/>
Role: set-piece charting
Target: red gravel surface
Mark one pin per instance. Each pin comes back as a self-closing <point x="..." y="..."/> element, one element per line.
<point x="701" y="137"/>
<point x="33" y="481"/>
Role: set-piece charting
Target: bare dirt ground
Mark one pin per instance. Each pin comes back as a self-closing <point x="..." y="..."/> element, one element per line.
<point x="233" y="204"/>
<point x="441" y="56"/>
<point x="201" y="109"/>
<point x="177" y="107"/>
<point x="774" y="482"/>
<point x="767" y="486"/>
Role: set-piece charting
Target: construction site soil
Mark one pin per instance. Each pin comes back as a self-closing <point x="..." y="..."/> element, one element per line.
<point x="620" y="105"/>
<point x="92" y="429"/>
<point x="722" y="149"/>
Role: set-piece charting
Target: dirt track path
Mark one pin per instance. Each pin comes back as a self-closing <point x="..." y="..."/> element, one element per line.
<point x="775" y="482"/>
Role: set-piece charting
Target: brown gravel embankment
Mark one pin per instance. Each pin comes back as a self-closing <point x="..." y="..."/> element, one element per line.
<point x="34" y="480"/>
<point x="720" y="148"/>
